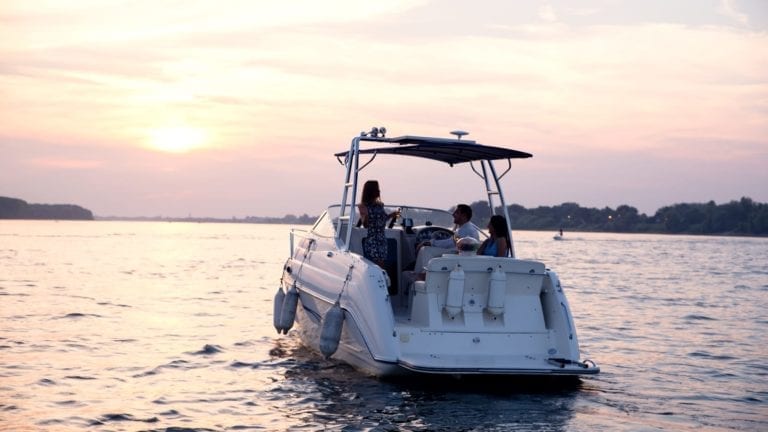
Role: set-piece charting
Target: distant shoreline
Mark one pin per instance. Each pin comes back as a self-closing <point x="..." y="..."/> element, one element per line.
<point x="742" y="218"/>
<point x="14" y="208"/>
<point x="568" y="234"/>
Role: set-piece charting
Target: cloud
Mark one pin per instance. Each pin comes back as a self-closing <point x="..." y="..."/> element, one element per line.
<point x="547" y="13"/>
<point x="728" y="9"/>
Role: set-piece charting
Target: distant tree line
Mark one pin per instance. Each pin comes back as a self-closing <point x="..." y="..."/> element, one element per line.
<point x="742" y="217"/>
<point x="14" y="208"/>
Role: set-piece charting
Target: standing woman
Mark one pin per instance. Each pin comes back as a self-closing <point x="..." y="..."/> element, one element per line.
<point x="498" y="242"/>
<point x="374" y="217"/>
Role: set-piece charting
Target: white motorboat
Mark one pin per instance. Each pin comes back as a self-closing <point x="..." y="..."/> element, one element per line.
<point x="471" y="315"/>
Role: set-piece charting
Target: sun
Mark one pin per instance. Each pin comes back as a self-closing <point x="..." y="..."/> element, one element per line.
<point x="176" y="139"/>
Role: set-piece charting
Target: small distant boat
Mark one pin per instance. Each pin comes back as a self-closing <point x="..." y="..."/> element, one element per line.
<point x="472" y="315"/>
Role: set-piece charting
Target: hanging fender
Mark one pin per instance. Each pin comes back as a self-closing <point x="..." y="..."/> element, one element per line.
<point x="455" y="296"/>
<point x="288" y="310"/>
<point x="330" y="335"/>
<point x="497" y="291"/>
<point x="277" y="309"/>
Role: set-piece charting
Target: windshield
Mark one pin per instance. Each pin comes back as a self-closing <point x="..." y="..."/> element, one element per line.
<point x="427" y="216"/>
<point x="419" y="215"/>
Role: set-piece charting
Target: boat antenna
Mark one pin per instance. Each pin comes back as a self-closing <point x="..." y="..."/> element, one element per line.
<point x="376" y="132"/>
<point x="459" y="134"/>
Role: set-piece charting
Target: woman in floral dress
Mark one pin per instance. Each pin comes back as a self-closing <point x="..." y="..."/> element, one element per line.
<point x="374" y="218"/>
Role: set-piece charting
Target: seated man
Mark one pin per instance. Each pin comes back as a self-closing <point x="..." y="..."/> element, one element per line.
<point x="462" y="217"/>
<point x="464" y="228"/>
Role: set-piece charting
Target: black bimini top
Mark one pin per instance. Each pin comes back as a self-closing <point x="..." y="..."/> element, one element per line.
<point x="450" y="151"/>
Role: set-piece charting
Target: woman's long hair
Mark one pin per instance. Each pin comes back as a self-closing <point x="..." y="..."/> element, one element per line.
<point x="371" y="193"/>
<point x="499" y="225"/>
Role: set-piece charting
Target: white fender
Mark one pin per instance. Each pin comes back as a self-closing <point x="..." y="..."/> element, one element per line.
<point x="278" y="308"/>
<point x="455" y="296"/>
<point x="331" y="331"/>
<point x="288" y="311"/>
<point x="497" y="291"/>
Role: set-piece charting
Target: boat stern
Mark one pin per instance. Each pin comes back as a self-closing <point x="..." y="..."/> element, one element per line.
<point x="485" y="315"/>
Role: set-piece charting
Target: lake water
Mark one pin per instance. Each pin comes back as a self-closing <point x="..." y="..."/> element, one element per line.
<point x="111" y="326"/>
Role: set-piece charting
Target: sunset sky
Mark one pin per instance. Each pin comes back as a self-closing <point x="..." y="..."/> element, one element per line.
<point x="235" y="108"/>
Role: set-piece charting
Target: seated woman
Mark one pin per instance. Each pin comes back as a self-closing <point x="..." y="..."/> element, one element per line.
<point x="498" y="242"/>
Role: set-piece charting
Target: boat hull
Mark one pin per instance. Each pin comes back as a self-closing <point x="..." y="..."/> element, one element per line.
<point x="413" y="333"/>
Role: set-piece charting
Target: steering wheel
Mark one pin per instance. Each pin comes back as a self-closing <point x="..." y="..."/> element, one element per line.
<point x="433" y="233"/>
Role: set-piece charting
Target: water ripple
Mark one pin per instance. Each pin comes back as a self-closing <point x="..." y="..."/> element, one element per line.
<point x="706" y="355"/>
<point x="173" y="365"/>
<point x="239" y="364"/>
<point x="108" y="418"/>
<point x="181" y="429"/>
<point x="208" y="349"/>
<point x="78" y="315"/>
<point x="699" y="318"/>
<point x="79" y="377"/>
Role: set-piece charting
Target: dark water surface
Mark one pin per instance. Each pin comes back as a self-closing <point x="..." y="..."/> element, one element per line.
<point x="112" y="326"/>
